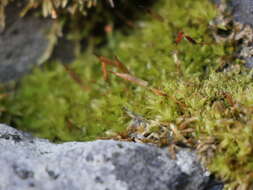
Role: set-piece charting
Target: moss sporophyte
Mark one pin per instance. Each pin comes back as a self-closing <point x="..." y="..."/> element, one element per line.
<point x="174" y="82"/>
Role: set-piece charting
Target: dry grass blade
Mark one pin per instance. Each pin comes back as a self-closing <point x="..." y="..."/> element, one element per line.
<point x="76" y="78"/>
<point x="69" y="124"/>
<point x="139" y="82"/>
<point x="158" y="92"/>
<point x="120" y="65"/>
<point x="173" y="151"/>
<point x="115" y="63"/>
<point x="181" y="36"/>
<point x="105" y="74"/>
<point x="125" y="74"/>
<point x="188" y="121"/>
<point x="229" y="98"/>
<point x="154" y="15"/>
<point x="177" y="133"/>
<point x="29" y="6"/>
<point x="131" y="79"/>
<point x="106" y="60"/>
<point x="191" y="40"/>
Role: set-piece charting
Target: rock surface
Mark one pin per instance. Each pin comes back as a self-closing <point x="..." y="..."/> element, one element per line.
<point x="32" y="163"/>
<point x="239" y="27"/>
<point x="22" y="42"/>
<point x="243" y="11"/>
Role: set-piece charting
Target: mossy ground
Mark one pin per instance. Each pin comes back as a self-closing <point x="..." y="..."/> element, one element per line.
<point x="50" y="104"/>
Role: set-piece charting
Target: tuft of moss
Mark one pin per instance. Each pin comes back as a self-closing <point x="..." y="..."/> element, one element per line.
<point x="52" y="105"/>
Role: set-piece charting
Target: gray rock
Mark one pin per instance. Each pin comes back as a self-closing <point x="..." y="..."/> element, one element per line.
<point x="22" y="43"/>
<point x="32" y="163"/>
<point x="243" y="11"/>
<point x="239" y="27"/>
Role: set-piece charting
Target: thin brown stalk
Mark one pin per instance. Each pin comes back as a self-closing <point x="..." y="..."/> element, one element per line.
<point x="76" y="78"/>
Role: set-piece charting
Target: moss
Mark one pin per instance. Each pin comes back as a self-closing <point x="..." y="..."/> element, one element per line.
<point x="51" y="104"/>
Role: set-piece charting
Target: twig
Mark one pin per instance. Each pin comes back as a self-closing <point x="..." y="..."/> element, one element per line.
<point x="76" y="78"/>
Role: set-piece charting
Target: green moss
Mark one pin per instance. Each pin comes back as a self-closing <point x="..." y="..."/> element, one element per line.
<point x="51" y="104"/>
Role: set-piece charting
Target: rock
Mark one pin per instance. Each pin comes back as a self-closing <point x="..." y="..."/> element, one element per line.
<point x="64" y="51"/>
<point x="243" y="11"/>
<point x="32" y="163"/>
<point x="238" y="27"/>
<point x="22" y="43"/>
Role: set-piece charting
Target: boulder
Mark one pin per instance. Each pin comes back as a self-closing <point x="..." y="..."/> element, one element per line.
<point x="239" y="27"/>
<point x="243" y="11"/>
<point x="32" y="163"/>
<point x="23" y="42"/>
